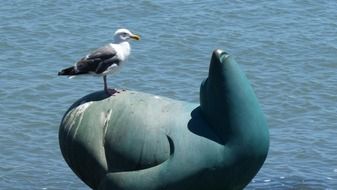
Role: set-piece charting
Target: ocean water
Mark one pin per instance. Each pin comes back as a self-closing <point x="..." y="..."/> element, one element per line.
<point x="288" y="50"/>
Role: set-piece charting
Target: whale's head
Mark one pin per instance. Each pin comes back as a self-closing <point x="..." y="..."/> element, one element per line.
<point x="227" y="99"/>
<point x="214" y="92"/>
<point x="216" y="81"/>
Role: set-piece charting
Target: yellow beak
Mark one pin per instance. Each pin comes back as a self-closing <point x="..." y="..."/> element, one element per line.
<point x="135" y="36"/>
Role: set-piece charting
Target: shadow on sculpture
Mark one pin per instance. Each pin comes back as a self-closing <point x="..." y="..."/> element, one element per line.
<point x="196" y="125"/>
<point x="93" y="97"/>
<point x="135" y="140"/>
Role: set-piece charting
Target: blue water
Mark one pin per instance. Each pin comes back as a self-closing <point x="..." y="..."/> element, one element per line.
<point x="288" y="50"/>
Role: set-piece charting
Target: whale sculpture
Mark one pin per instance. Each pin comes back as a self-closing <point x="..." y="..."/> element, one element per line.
<point x="139" y="141"/>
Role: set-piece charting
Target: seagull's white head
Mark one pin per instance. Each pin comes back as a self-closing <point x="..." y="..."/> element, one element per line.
<point x="122" y="35"/>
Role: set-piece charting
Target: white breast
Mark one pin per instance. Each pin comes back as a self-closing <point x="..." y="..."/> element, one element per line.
<point x="123" y="50"/>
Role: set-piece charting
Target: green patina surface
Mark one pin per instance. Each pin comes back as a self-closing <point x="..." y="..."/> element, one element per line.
<point x="135" y="140"/>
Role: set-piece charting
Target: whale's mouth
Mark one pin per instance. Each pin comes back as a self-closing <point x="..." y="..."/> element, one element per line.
<point x="221" y="55"/>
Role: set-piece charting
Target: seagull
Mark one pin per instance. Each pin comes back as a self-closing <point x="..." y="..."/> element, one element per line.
<point x="105" y="60"/>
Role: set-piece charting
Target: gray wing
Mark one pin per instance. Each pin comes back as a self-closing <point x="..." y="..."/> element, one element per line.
<point x="98" y="61"/>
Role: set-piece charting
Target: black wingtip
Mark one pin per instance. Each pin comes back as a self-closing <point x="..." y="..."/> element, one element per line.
<point x="61" y="73"/>
<point x="67" y="71"/>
